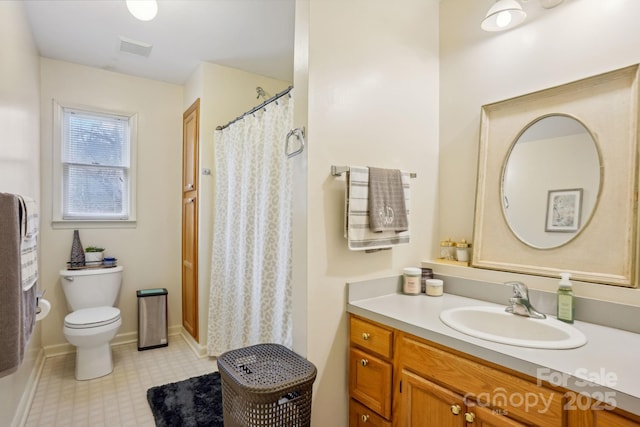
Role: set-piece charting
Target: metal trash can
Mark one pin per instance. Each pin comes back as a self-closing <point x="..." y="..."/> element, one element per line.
<point x="266" y="385"/>
<point x="152" y="318"/>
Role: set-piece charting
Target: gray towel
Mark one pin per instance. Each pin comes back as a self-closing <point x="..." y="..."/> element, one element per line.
<point x="11" y="332"/>
<point x="387" y="208"/>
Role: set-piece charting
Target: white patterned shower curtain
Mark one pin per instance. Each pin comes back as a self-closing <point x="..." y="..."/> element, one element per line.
<point x="250" y="298"/>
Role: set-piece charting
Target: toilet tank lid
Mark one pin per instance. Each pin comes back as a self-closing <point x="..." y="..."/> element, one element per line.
<point x="92" y="316"/>
<point x="90" y="271"/>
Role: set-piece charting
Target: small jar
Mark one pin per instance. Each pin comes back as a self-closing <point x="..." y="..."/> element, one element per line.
<point x="411" y="281"/>
<point x="462" y="250"/>
<point x="447" y="249"/>
<point x="427" y="273"/>
<point x="434" y="287"/>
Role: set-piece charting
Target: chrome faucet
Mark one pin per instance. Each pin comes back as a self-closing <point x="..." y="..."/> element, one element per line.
<point x="520" y="303"/>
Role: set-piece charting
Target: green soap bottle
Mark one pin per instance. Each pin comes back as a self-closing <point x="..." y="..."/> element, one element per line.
<point x="566" y="306"/>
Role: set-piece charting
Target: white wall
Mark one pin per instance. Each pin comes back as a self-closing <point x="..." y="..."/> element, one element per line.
<point x="150" y="252"/>
<point x="19" y="164"/>
<point x="225" y="93"/>
<point x="577" y="39"/>
<point x="373" y="101"/>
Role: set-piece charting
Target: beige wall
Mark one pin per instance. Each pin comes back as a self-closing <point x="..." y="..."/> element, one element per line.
<point x="373" y="101"/>
<point x="150" y="252"/>
<point x="224" y="93"/>
<point x="19" y="166"/>
<point x="574" y="40"/>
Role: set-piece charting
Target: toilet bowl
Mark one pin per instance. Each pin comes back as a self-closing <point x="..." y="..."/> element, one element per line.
<point x="91" y="330"/>
<point x="93" y="321"/>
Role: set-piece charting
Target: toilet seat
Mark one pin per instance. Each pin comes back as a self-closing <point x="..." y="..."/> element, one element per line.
<point x="92" y="317"/>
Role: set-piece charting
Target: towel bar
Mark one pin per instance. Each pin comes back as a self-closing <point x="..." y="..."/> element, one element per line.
<point x="339" y="170"/>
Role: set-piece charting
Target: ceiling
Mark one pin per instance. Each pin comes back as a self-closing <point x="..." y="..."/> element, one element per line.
<point x="251" y="35"/>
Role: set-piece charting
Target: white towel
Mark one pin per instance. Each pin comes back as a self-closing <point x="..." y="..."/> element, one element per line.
<point x="359" y="236"/>
<point x="29" y="219"/>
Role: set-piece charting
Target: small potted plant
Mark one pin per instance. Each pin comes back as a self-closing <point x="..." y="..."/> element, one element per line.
<point x="93" y="255"/>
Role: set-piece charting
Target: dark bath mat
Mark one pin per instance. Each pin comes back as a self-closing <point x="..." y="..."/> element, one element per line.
<point x="193" y="402"/>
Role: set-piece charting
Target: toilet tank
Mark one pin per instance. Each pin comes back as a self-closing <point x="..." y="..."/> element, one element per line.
<point x="93" y="287"/>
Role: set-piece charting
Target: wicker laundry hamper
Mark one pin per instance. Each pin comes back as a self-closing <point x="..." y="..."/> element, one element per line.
<point x="266" y="385"/>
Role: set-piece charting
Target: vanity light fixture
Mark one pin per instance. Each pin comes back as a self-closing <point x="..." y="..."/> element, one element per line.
<point x="503" y="15"/>
<point x="144" y="10"/>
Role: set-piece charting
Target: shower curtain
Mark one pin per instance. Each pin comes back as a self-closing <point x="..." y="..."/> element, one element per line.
<point x="250" y="297"/>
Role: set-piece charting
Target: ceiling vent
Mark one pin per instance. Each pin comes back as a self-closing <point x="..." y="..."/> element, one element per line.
<point x="135" y="47"/>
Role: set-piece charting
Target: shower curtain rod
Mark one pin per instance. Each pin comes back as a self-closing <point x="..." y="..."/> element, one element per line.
<point x="254" y="109"/>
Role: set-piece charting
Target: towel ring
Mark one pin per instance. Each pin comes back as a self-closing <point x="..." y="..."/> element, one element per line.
<point x="299" y="134"/>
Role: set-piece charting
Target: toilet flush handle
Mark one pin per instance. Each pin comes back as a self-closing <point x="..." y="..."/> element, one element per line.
<point x="69" y="278"/>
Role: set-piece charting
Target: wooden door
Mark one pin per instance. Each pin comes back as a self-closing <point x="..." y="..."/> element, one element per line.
<point x="426" y="404"/>
<point x="190" y="148"/>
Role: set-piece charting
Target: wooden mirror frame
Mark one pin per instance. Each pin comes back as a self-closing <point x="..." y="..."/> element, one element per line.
<point x="606" y="250"/>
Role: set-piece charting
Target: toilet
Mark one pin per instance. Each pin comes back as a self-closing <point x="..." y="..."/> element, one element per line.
<point x="93" y="321"/>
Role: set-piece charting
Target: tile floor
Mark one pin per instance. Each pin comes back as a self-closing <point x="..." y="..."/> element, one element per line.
<point x="118" y="399"/>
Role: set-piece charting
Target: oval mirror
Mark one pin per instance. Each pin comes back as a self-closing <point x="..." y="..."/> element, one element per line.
<point x="551" y="181"/>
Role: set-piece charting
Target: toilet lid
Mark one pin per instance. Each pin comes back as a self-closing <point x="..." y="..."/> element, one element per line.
<point x="92" y="317"/>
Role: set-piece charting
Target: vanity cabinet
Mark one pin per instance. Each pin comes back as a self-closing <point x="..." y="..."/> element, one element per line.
<point x="370" y="373"/>
<point x="400" y="380"/>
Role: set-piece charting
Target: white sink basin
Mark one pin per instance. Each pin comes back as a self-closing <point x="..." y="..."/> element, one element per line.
<point x="495" y="324"/>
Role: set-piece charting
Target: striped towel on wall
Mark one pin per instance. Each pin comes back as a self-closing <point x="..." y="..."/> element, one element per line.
<point x="29" y="243"/>
<point x="357" y="232"/>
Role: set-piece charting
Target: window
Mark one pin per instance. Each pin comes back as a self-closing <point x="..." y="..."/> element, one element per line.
<point x="94" y="172"/>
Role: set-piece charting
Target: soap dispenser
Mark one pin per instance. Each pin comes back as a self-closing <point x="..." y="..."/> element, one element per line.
<point x="566" y="308"/>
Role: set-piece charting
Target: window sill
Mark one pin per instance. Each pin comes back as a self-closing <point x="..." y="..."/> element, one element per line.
<point x="84" y="224"/>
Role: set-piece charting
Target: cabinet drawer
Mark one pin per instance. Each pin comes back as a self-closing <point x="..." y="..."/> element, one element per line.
<point x="488" y="386"/>
<point x="361" y="416"/>
<point x="371" y="337"/>
<point x="370" y="381"/>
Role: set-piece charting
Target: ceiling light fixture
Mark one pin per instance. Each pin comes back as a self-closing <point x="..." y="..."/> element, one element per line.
<point x="144" y="10"/>
<point x="503" y="15"/>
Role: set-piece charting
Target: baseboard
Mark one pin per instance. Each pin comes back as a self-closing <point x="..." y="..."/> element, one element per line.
<point x="58" y="350"/>
<point x="198" y="349"/>
<point x="22" y="411"/>
<point x="124" y="338"/>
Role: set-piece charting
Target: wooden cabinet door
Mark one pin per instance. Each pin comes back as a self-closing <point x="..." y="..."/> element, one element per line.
<point x="190" y="144"/>
<point x="190" y="265"/>
<point x="370" y="381"/>
<point x="426" y="404"/>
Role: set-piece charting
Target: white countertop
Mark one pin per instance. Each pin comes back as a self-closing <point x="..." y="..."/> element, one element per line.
<point x="606" y="368"/>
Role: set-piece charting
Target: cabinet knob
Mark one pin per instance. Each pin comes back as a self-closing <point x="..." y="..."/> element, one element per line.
<point x="469" y="417"/>
<point x="190" y="186"/>
<point x="366" y="336"/>
<point x="365" y="418"/>
<point x="364" y="362"/>
<point x="455" y="409"/>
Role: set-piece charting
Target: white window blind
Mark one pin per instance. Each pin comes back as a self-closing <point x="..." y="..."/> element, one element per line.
<point x="96" y="165"/>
